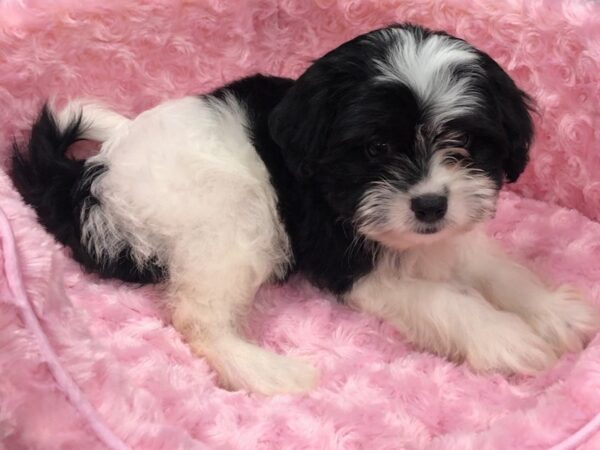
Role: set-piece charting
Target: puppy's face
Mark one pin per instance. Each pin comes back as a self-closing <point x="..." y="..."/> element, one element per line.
<point x="408" y="134"/>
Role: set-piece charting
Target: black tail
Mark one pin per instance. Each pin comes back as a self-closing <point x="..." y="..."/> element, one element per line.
<point x="58" y="188"/>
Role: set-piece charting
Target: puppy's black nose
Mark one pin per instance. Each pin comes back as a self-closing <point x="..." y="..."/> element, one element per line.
<point x="429" y="208"/>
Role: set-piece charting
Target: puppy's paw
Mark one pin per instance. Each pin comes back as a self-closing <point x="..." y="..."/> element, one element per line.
<point x="257" y="370"/>
<point x="564" y="320"/>
<point x="508" y="345"/>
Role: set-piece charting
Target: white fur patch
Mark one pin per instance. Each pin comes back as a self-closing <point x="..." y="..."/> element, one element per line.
<point x="184" y="167"/>
<point x="426" y="65"/>
<point x="185" y="186"/>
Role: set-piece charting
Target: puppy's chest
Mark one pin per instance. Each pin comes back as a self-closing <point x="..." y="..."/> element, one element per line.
<point x="440" y="263"/>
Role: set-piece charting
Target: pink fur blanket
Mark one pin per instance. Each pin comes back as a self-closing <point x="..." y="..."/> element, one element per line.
<point x="88" y="364"/>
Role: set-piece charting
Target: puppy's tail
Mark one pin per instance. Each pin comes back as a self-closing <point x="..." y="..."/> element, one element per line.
<point x="59" y="187"/>
<point x="97" y="123"/>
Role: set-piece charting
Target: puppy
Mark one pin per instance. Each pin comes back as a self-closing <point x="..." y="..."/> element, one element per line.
<point x="369" y="175"/>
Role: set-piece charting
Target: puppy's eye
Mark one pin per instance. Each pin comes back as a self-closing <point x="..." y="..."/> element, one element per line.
<point x="456" y="156"/>
<point x="376" y="149"/>
<point x="459" y="156"/>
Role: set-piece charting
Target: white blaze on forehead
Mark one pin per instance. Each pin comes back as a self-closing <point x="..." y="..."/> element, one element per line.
<point x="427" y="66"/>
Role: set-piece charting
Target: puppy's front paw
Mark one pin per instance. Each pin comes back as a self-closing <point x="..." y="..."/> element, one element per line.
<point x="565" y="320"/>
<point x="509" y="345"/>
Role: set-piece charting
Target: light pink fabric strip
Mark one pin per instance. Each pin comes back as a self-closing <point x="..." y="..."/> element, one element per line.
<point x="62" y="377"/>
<point x="580" y="436"/>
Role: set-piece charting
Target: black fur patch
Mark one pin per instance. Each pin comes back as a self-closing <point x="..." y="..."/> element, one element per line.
<point x="326" y="249"/>
<point x="57" y="187"/>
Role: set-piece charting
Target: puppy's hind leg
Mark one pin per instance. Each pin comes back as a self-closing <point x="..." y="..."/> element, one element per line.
<point x="208" y="303"/>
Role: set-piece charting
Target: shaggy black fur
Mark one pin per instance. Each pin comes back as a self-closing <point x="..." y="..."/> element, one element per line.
<point x="326" y="248"/>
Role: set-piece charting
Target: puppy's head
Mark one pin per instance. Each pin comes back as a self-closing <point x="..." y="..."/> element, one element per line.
<point x="408" y="133"/>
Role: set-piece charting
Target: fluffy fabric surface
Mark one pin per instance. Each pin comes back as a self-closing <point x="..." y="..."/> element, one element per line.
<point x="376" y="391"/>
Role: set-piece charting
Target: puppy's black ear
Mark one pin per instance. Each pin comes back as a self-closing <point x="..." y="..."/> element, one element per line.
<point x="300" y="123"/>
<point x="514" y="108"/>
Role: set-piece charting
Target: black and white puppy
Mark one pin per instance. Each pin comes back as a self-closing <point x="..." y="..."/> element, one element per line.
<point x="369" y="175"/>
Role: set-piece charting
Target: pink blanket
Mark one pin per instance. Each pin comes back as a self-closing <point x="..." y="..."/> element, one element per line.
<point x="88" y="364"/>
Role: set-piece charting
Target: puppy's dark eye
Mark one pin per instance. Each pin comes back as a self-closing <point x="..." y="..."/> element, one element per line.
<point x="456" y="155"/>
<point x="377" y="149"/>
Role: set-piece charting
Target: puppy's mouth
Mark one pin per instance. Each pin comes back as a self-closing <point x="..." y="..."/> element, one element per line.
<point x="422" y="228"/>
<point x="417" y="234"/>
<point x="428" y="230"/>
